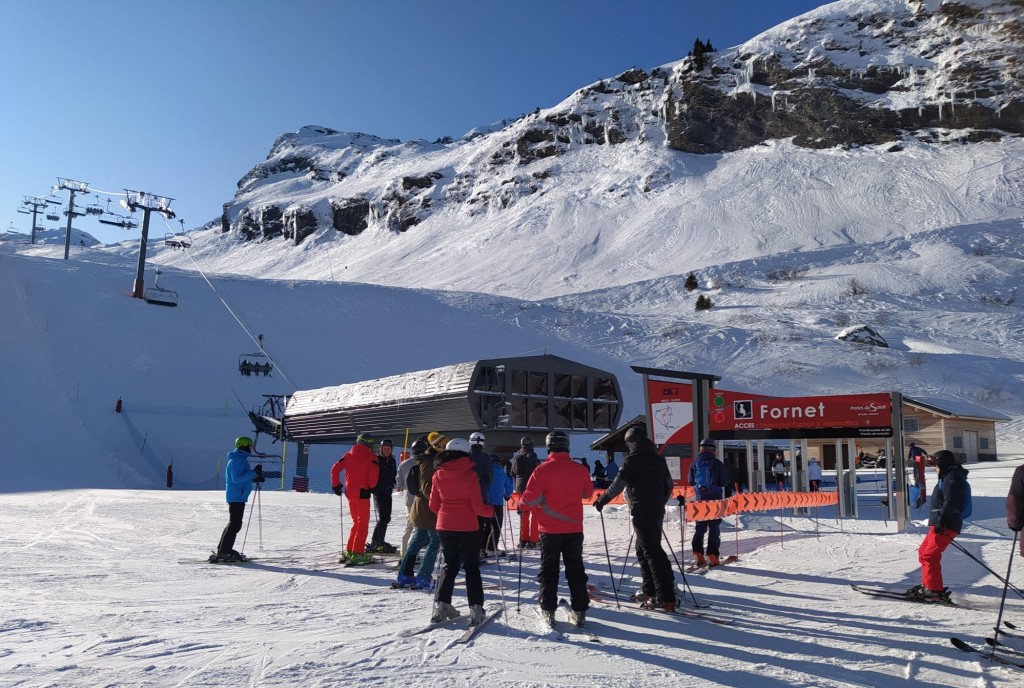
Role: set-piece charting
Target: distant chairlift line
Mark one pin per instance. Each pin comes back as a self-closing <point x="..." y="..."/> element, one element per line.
<point x="255" y="363"/>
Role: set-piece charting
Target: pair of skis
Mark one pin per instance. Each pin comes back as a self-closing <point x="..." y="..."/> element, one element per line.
<point x="598" y="595"/>
<point x="699" y="569"/>
<point x="995" y="651"/>
<point x="466" y="636"/>
<point x="903" y="595"/>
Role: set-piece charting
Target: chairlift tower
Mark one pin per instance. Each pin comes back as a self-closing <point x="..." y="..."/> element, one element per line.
<point x="147" y="203"/>
<point x="72" y="187"/>
<point x="35" y="204"/>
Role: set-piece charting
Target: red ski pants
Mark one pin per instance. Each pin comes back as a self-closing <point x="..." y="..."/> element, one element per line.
<point x="360" y="510"/>
<point x="930" y="556"/>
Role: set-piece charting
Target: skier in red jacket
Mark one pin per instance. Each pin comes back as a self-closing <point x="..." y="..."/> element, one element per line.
<point x="361" y="471"/>
<point x="455" y="498"/>
<point x="555" y="494"/>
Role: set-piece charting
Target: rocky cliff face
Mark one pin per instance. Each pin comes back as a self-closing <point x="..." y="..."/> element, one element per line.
<point x="848" y="74"/>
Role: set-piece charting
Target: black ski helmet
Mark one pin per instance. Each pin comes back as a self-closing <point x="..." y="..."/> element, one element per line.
<point x="635" y="434"/>
<point x="557" y="441"/>
<point x="526" y="442"/>
<point x="945" y="458"/>
<point x="420" y="446"/>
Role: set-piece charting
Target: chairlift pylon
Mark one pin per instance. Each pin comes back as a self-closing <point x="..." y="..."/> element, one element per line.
<point x="158" y="296"/>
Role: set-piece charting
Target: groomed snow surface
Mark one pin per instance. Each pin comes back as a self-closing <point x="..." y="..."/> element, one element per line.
<point x="107" y="588"/>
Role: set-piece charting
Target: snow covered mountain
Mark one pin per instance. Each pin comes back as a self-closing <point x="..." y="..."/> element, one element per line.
<point x="846" y="115"/>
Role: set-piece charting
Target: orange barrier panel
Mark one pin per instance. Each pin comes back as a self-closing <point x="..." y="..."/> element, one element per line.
<point x="684" y="490"/>
<point x="757" y="501"/>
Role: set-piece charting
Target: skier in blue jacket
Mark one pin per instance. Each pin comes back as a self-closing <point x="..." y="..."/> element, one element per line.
<point x="710" y="480"/>
<point x="238" y="480"/>
<point x="497" y="496"/>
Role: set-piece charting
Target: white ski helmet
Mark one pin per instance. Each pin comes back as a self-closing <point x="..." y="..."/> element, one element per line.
<point x="458" y="444"/>
<point x="477" y="438"/>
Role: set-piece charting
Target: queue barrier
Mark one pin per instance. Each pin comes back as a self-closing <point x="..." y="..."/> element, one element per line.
<point x="737" y="504"/>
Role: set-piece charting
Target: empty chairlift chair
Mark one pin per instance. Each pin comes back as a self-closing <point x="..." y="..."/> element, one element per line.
<point x="158" y="296"/>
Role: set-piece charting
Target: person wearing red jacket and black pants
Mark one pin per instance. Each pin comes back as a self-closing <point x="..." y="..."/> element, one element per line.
<point x="554" y="495"/>
<point x="361" y="472"/>
<point x="455" y="498"/>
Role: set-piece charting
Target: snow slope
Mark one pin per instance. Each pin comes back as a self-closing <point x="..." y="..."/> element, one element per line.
<point x="103" y="587"/>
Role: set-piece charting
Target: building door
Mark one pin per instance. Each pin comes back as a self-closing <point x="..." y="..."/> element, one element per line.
<point x="971" y="445"/>
<point x="828" y="456"/>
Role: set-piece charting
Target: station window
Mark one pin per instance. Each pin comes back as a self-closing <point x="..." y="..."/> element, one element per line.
<point x="563" y="411"/>
<point x="538" y="413"/>
<point x="983" y="442"/>
<point x="958" y="442"/>
<point x="517" y="414"/>
<point x="487" y="381"/>
<point x="579" y="387"/>
<point x="579" y="415"/>
<point x="520" y="380"/>
<point x="539" y="384"/>
<point x="604" y="389"/>
<point x="911" y="425"/>
<point x="602" y="416"/>
<point x="563" y="385"/>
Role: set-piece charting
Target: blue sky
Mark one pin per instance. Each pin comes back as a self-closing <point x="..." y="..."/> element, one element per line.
<point x="182" y="98"/>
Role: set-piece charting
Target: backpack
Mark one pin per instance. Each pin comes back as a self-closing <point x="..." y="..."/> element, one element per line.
<point x="412" y="481"/>
<point x="704" y="475"/>
<point x="968" y="504"/>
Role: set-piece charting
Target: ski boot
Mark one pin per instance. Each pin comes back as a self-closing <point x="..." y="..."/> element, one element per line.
<point x="422" y="583"/>
<point x="476" y="614"/>
<point x="404" y="581"/>
<point x="578" y="618"/>
<point x="641" y="597"/>
<point x="548" y="616"/>
<point x="713" y="560"/>
<point x="443" y="611"/>
<point x="698" y="560"/>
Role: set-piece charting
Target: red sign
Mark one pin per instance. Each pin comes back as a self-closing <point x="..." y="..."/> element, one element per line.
<point x="748" y="412"/>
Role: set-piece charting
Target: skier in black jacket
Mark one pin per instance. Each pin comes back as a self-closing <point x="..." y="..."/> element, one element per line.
<point x="645" y="477"/>
<point x="524" y="462"/>
<point x="382" y="498"/>
<point x="944" y="524"/>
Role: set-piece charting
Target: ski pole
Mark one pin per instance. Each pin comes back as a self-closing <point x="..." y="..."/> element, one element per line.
<point x="497" y="560"/>
<point x="259" y="512"/>
<point x="608" y="556"/>
<point x="625" y="558"/>
<point x="999" y="619"/>
<point x="682" y="532"/>
<point x="519" y="582"/>
<point x="686" y="583"/>
<point x="1004" y="581"/>
<point x="341" y="520"/>
<point x="245" y="535"/>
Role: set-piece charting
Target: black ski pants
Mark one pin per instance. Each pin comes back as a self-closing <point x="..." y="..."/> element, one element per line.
<point x="567" y="547"/>
<point x="461" y="549"/>
<point x="227" y="538"/>
<point x="658" y="580"/>
<point x="714" y="530"/>
<point x="491" y="528"/>
<point x="383" y="502"/>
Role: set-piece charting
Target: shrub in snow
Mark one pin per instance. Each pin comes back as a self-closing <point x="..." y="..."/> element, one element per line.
<point x="703" y="303"/>
<point x="691" y="282"/>
<point x="862" y="334"/>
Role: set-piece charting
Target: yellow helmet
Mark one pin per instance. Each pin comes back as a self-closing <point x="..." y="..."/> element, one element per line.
<point x="437" y="441"/>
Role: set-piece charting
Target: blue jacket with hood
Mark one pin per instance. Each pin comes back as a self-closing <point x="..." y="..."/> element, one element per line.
<point x="238" y="477"/>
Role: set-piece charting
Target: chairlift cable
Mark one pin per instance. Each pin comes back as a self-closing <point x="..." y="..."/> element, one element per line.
<point x="241" y="324"/>
<point x="214" y="359"/>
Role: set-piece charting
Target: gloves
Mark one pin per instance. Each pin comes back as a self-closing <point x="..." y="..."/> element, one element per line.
<point x="259" y="479"/>
<point x="338" y="490"/>
<point x="681" y="499"/>
<point x="258" y="468"/>
<point x="940" y="529"/>
<point x="364" y="493"/>
<point x="599" y="505"/>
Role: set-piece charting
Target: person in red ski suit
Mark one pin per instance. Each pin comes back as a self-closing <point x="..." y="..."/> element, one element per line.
<point x="361" y="472"/>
